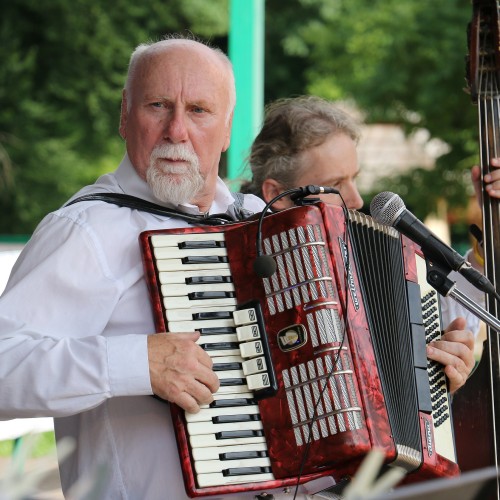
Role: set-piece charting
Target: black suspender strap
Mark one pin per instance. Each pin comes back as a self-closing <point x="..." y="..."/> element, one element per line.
<point x="125" y="200"/>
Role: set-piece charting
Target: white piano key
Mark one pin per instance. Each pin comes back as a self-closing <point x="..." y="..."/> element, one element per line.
<point x="248" y="332"/>
<point x="206" y="414"/>
<point x="255" y="365"/>
<point x="190" y="326"/>
<point x="166" y="240"/>
<point x="222" y="352"/>
<point x="233" y="389"/>
<point x="214" y="339"/>
<point x="208" y="466"/>
<point x="173" y="290"/>
<point x="185" y="302"/>
<point x="210" y="441"/>
<point x="223" y="374"/>
<point x="214" y="354"/>
<point x="228" y="359"/>
<point x="178" y="265"/>
<point x="180" y="277"/>
<point x="186" y="314"/>
<point x="213" y="453"/>
<point x="179" y="253"/>
<point x="245" y="316"/>
<point x="200" y="428"/>
<point x="247" y="395"/>
<point x="215" y="479"/>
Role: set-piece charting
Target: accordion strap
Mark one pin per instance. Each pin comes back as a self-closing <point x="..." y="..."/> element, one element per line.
<point x="126" y="200"/>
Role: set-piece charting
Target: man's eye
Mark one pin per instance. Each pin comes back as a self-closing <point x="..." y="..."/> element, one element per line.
<point x="156" y="104"/>
<point x="198" y="110"/>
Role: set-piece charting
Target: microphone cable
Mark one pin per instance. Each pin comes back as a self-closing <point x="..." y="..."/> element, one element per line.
<point x="264" y="265"/>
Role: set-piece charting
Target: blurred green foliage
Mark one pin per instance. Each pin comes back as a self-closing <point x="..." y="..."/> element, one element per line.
<point x="399" y="61"/>
<point x="64" y="63"/>
<point x="63" y="67"/>
<point x="45" y="443"/>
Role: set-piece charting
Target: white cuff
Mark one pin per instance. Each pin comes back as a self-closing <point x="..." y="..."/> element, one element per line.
<point x="128" y="365"/>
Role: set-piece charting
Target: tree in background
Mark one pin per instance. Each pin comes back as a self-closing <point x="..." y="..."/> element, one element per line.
<point x="63" y="67"/>
<point x="401" y="62"/>
<point x="64" y="64"/>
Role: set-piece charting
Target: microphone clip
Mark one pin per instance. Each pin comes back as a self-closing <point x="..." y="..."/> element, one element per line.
<point x="301" y="201"/>
<point x="265" y="265"/>
<point x="437" y="276"/>
<point x="300" y="196"/>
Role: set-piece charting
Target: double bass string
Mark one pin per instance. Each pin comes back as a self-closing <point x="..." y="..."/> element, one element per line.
<point x="488" y="114"/>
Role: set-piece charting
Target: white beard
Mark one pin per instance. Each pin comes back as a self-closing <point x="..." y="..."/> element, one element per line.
<point x="171" y="183"/>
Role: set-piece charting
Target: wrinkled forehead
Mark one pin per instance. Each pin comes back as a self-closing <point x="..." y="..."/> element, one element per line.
<point x="181" y="62"/>
<point x="183" y="70"/>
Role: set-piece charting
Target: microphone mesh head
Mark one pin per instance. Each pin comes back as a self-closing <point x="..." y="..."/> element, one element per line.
<point x="386" y="207"/>
<point x="264" y="266"/>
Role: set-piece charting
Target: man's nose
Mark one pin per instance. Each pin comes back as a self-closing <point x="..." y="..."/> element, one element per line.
<point x="176" y="127"/>
<point x="352" y="197"/>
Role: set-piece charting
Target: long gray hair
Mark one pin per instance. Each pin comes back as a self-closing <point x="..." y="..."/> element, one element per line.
<point x="292" y="126"/>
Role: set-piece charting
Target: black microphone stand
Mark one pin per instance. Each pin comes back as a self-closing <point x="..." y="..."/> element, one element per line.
<point x="437" y="277"/>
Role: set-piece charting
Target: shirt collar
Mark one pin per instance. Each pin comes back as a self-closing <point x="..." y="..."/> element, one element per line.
<point x="130" y="183"/>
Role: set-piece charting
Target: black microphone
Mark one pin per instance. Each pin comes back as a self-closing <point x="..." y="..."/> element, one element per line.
<point x="388" y="208"/>
<point x="265" y="265"/>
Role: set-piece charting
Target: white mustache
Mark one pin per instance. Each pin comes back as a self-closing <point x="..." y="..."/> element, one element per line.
<point x="174" y="152"/>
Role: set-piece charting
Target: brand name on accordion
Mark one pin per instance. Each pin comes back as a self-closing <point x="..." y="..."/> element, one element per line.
<point x="350" y="277"/>
<point x="428" y="437"/>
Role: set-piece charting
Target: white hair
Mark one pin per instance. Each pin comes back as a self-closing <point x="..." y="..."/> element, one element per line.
<point x="145" y="49"/>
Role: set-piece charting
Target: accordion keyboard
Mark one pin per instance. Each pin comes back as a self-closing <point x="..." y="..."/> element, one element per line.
<point x="346" y="324"/>
<point x="226" y="437"/>
<point x="441" y="408"/>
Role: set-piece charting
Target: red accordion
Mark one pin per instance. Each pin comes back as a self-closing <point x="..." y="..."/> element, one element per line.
<point x="319" y="363"/>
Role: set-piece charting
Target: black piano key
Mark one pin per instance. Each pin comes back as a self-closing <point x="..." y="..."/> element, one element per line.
<point x="245" y="471"/>
<point x="220" y="346"/>
<point x="223" y="367"/>
<point x="226" y="403"/>
<point x="203" y="280"/>
<point x="204" y="259"/>
<point x="242" y="455"/>
<point x="218" y="330"/>
<point x="238" y="434"/>
<point x="225" y="382"/>
<point x="209" y="295"/>
<point x="201" y="244"/>
<point x="229" y="419"/>
<point x="213" y="315"/>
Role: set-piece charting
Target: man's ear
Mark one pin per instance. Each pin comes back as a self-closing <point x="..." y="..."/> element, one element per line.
<point x="272" y="188"/>
<point x="123" y="115"/>
<point x="227" y="139"/>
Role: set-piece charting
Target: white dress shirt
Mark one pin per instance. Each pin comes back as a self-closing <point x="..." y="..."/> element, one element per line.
<point x="74" y="320"/>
